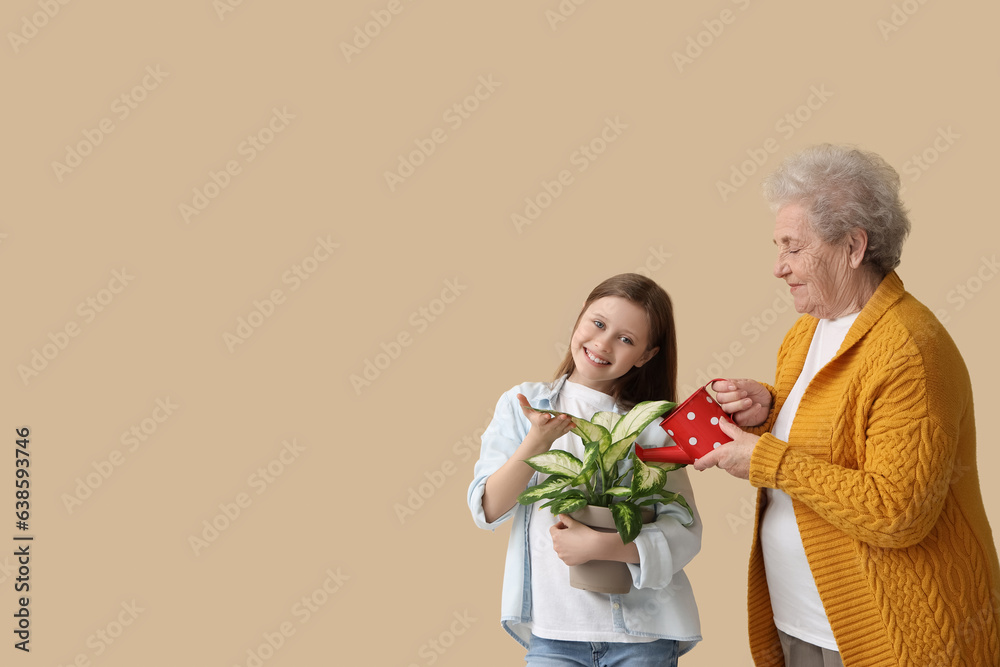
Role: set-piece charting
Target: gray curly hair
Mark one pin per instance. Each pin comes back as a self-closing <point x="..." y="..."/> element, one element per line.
<point x="843" y="188"/>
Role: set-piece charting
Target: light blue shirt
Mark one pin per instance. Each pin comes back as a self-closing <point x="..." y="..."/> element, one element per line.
<point x="661" y="603"/>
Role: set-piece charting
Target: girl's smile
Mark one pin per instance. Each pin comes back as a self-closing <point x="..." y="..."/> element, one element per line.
<point x="594" y="358"/>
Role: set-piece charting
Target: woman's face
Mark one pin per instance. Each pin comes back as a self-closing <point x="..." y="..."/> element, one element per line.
<point x="819" y="274"/>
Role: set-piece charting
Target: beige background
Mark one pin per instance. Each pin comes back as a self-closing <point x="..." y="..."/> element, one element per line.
<point x="419" y="587"/>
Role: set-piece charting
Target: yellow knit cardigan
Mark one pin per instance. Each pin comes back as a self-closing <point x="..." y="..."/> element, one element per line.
<point x="881" y="469"/>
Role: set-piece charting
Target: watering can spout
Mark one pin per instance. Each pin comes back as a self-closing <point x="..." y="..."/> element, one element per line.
<point x="664" y="455"/>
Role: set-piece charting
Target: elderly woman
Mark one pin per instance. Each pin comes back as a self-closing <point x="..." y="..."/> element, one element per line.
<point x="872" y="546"/>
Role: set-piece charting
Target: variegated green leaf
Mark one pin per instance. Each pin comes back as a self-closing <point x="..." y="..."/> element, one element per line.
<point x="646" y="480"/>
<point x="619" y="491"/>
<point x="556" y="462"/>
<point x="591" y="463"/>
<point x="664" y="466"/>
<point x="565" y="495"/>
<point x="552" y="412"/>
<point x="589" y="432"/>
<point x="547" y="489"/>
<point x="568" y="505"/>
<point x="640" y="417"/>
<point x="679" y="499"/>
<point x="628" y="520"/>
<point x="606" y="419"/>
<point x="616" y="452"/>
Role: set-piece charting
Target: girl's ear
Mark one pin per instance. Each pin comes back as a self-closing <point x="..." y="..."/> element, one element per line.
<point x="646" y="357"/>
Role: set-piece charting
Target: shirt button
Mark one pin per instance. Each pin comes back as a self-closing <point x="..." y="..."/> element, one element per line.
<point x="616" y="606"/>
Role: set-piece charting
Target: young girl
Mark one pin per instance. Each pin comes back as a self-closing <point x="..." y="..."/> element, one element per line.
<point x="622" y="352"/>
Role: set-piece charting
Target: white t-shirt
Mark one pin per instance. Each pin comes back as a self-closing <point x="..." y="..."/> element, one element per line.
<point x="798" y="610"/>
<point x="558" y="610"/>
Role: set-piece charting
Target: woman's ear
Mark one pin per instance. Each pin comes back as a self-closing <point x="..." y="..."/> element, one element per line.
<point x="646" y="357"/>
<point x="857" y="243"/>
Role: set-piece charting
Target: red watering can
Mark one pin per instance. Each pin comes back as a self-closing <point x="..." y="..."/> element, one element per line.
<point x="694" y="427"/>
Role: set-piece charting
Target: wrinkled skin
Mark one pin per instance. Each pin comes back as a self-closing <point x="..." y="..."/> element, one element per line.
<point x="827" y="281"/>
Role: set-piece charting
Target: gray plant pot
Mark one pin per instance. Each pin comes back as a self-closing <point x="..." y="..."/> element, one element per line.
<point x="602" y="576"/>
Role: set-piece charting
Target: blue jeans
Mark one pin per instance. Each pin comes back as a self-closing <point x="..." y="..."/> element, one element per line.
<point x="556" y="653"/>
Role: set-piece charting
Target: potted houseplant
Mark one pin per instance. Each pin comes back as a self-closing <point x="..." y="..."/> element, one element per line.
<point x="610" y="481"/>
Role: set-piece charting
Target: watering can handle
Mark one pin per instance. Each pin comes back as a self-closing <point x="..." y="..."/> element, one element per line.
<point x="713" y="380"/>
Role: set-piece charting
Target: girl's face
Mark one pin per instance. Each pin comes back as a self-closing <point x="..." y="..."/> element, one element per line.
<point x="610" y="338"/>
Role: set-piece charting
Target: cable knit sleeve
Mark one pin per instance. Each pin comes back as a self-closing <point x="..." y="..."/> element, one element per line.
<point x="903" y="438"/>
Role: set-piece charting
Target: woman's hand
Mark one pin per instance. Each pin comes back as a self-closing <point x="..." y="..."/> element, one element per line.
<point x="748" y="401"/>
<point x="545" y="428"/>
<point x="734" y="456"/>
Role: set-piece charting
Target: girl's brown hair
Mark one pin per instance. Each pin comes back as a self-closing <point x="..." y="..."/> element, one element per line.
<point x="655" y="380"/>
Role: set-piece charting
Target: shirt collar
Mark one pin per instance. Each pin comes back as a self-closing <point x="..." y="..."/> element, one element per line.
<point x="553" y="390"/>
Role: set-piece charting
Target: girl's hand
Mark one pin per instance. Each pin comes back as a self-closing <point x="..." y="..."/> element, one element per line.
<point x="576" y="543"/>
<point x="734" y="456"/>
<point x="545" y="428"/>
<point x="573" y="541"/>
<point x="504" y="485"/>
<point x="748" y="401"/>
